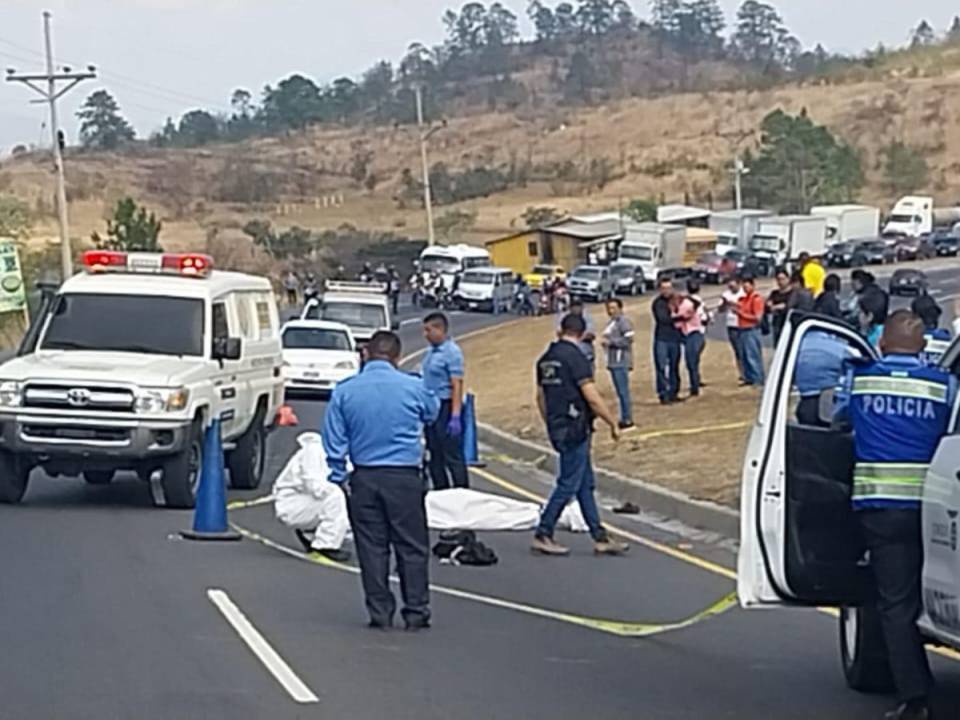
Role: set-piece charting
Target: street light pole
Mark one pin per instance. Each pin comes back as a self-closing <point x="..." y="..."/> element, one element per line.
<point x="427" y="195"/>
<point x="51" y="94"/>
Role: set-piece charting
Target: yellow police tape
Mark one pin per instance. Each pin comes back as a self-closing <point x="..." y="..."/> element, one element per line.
<point x="612" y="627"/>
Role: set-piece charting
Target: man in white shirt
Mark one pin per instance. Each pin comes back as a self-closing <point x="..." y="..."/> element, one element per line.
<point x="728" y="306"/>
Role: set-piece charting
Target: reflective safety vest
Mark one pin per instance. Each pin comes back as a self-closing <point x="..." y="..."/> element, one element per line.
<point x="938" y="341"/>
<point x="899" y="408"/>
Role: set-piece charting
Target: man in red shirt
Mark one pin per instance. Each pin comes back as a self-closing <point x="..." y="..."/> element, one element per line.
<point x="750" y="309"/>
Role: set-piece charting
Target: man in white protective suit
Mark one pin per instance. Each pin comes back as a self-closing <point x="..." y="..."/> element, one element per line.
<point x="312" y="506"/>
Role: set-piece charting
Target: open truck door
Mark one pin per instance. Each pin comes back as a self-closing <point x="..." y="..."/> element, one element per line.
<point x="799" y="543"/>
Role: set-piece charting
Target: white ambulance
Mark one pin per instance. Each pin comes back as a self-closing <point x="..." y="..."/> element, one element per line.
<point x="136" y="357"/>
<point x="799" y="543"/>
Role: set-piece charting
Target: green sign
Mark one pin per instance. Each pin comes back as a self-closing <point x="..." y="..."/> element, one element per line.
<point x="13" y="295"/>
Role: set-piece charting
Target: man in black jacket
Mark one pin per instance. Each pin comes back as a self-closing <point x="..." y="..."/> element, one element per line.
<point x="667" y="343"/>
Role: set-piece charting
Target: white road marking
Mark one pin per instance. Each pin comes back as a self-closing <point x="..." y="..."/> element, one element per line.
<point x="261" y="648"/>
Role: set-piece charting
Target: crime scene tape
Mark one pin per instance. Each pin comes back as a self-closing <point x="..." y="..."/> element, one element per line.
<point x="612" y="627"/>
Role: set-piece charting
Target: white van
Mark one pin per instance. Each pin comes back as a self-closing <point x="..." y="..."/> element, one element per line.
<point x="136" y="357"/>
<point x="488" y="288"/>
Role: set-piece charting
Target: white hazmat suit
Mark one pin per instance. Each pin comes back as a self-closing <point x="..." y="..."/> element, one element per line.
<point x="305" y="500"/>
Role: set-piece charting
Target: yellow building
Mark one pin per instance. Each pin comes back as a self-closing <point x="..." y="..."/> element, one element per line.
<point x="567" y="244"/>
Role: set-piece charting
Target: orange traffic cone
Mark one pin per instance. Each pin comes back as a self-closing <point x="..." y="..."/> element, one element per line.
<point x="286" y="417"/>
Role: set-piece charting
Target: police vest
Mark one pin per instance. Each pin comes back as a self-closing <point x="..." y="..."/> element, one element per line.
<point x="900" y="409"/>
<point x="938" y="341"/>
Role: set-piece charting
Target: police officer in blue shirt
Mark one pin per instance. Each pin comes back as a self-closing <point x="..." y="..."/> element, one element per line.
<point x="442" y="371"/>
<point x="899" y="408"/>
<point x="820" y="367"/>
<point x="938" y="339"/>
<point x="375" y="420"/>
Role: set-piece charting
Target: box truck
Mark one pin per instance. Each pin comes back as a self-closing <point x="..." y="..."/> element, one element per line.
<point x="735" y="228"/>
<point x="849" y="222"/>
<point x="782" y="239"/>
<point x="658" y="249"/>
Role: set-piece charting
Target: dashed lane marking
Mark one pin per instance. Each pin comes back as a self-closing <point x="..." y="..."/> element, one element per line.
<point x="258" y="645"/>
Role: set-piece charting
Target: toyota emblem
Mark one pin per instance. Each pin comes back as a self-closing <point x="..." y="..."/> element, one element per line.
<point x="78" y="397"/>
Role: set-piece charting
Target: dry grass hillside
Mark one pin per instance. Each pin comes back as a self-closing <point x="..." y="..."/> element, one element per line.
<point x="570" y="159"/>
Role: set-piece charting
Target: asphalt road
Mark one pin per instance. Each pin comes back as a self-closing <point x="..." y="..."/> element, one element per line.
<point x="105" y="614"/>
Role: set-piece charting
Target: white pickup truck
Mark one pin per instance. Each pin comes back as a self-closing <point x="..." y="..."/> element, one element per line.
<point x="135" y="358"/>
<point x="799" y="543"/>
<point x="362" y="307"/>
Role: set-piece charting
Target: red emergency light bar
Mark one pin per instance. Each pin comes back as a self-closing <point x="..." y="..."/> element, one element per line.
<point x="185" y="264"/>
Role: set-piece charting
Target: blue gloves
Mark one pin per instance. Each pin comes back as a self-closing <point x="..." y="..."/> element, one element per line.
<point x="454" y="427"/>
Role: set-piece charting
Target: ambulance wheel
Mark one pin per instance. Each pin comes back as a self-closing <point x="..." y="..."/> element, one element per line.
<point x="863" y="651"/>
<point x="180" y="473"/>
<point x="14" y="476"/>
<point x="98" y="477"/>
<point x="247" y="460"/>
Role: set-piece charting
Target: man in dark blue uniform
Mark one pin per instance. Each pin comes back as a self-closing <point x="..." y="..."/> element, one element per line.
<point x="899" y="408"/>
<point x="375" y="420"/>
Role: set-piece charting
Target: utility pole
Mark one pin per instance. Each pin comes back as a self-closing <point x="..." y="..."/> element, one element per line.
<point x="51" y="93"/>
<point x="427" y="195"/>
<point x="739" y="171"/>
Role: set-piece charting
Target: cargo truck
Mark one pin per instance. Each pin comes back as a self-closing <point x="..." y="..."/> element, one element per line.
<point x="916" y="215"/>
<point x="656" y="248"/>
<point x="782" y="239"/>
<point x="735" y="228"/>
<point x="849" y="222"/>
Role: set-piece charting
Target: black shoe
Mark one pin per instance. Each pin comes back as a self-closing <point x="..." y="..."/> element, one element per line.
<point x="378" y="625"/>
<point x="664" y="401"/>
<point x="913" y="710"/>
<point x="304" y="540"/>
<point x="417" y="625"/>
<point x="626" y="425"/>
<point x="338" y="555"/>
<point x="694" y="393"/>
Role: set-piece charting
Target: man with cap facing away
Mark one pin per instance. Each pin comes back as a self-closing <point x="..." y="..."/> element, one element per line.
<point x="376" y="419"/>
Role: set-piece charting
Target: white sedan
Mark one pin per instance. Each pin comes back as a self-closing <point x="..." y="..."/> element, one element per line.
<point x="317" y="355"/>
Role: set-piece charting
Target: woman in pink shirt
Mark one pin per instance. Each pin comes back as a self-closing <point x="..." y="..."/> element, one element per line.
<point x="691" y="317"/>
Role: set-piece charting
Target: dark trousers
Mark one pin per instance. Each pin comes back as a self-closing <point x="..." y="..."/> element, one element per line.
<point x="808" y="412"/>
<point x="395" y="302"/>
<point x="693" y="345"/>
<point x="894" y="539"/>
<point x="387" y="511"/>
<point x="575" y="479"/>
<point x="446" y="453"/>
<point x="666" y="357"/>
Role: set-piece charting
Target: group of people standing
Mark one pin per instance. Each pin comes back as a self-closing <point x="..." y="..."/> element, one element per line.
<point x="680" y="327"/>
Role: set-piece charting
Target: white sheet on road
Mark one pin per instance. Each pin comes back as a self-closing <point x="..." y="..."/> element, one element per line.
<point x="460" y="509"/>
<point x="305" y="500"/>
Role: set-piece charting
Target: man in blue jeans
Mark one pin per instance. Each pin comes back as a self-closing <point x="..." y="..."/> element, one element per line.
<point x="568" y="400"/>
<point x="667" y="344"/>
<point x="618" y="342"/>
<point x="750" y="309"/>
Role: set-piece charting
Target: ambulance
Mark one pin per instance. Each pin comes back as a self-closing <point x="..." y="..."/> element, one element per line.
<point x="135" y="358"/>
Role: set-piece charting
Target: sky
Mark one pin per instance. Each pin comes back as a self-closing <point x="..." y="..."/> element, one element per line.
<point x="161" y="58"/>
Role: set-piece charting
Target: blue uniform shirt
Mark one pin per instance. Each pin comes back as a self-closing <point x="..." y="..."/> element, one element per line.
<point x="821" y="363"/>
<point x="441" y="364"/>
<point x="938" y="342"/>
<point x="899" y="408"/>
<point x="376" y="419"/>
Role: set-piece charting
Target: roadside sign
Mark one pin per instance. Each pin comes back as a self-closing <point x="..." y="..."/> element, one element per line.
<point x="13" y="294"/>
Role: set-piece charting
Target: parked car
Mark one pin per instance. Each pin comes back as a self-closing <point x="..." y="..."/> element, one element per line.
<point x="709" y="268"/>
<point x="946" y="245"/>
<point x="916" y="248"/>
<point x="536" y="277"/>
<point x="873" y="252"/>
<point x="592" y="282"/>
<point x="840" y="254"/>
<point x="908" y="281"/>
<point x="738" y="262"/>
<point x="628" y="279"/>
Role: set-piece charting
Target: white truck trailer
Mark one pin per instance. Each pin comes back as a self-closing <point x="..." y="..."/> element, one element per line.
<point x="735" y="228"/>
<point x="849" y="222"/>
<point x="783" y="238"/>
<point x="657" y="248"/>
